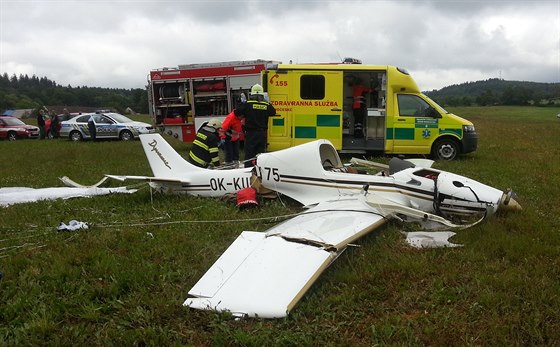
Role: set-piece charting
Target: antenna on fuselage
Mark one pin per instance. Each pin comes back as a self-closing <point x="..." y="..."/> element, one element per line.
<point x="365" y="189"/>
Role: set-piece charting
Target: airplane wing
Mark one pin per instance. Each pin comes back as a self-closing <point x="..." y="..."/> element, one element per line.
<point x="163" y="184"/>
<point x="71" y="183"/>
<point x="266" y="274"/>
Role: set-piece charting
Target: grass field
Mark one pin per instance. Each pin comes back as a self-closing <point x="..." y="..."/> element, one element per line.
<point x="115" y="284"/>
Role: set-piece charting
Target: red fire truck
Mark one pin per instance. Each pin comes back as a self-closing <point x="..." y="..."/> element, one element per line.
<point x="181" y="99"/>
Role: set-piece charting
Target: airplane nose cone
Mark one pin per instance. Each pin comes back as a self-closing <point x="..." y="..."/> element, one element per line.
<point x="507" y="203"/>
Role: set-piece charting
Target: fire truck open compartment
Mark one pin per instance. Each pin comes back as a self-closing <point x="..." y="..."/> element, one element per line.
<point x="211" y="97"/>
<point x="172" y="92"/>
<point x="181" y="99"/>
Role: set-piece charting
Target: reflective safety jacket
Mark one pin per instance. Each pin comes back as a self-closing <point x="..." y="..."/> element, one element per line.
<point x="256" y="114"/>
<point x="231" y="127"/>
<point x="205" y="148"/>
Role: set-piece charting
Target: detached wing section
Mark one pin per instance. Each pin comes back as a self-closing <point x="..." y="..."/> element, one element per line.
<point x="266" y="274"/>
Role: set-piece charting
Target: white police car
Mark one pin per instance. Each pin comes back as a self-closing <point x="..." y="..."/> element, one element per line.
<point x="108" y="126"/>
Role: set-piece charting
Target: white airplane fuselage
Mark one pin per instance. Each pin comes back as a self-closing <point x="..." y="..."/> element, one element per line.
<point x="302" y="176"/>
<point x="299" y="172"/>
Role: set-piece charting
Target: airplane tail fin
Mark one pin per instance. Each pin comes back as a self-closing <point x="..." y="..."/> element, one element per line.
<point x="163" y="159"/>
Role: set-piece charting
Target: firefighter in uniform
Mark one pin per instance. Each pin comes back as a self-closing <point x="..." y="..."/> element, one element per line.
<point x="256" y="112"/>
<point x="205" y="151"/>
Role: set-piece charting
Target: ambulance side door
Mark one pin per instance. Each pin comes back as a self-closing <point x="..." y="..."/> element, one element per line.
<point x="415" y="126"/>
<point x="317" y="107"/>
<point x="279" y="126"/>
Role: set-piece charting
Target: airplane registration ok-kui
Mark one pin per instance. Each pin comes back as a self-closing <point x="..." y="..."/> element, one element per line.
<point x="264" y="274"/>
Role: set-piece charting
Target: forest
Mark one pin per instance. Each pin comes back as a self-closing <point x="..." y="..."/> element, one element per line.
<point x="496" y="91"/>
<point x="33" y="92"/>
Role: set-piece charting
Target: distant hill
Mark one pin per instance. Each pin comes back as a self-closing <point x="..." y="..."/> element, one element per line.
<point x="498" y="92"/>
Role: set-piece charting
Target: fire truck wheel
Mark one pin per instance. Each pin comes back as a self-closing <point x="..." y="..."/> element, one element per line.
<point x="126" y="135"/>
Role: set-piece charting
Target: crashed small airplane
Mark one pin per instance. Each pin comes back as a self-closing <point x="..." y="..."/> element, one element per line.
<point x="265" y="274"/>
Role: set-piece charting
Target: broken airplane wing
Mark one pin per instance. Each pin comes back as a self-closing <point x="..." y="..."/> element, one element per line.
<point x="266" y="274"/>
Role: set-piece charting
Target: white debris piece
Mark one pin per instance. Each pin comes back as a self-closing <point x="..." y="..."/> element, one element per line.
<point x="73" y="225"/>
<point x="432" y="239"/>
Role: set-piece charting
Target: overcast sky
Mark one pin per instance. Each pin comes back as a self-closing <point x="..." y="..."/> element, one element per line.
<point x="115" y="43"/>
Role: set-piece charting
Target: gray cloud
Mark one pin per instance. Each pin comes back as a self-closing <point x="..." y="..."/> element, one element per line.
<point x="116" y="43"/>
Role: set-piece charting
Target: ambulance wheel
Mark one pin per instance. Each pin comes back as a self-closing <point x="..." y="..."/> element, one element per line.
<point x="445" y="149"/>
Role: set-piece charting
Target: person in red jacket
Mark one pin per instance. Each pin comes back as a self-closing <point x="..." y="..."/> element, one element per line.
<point x="359" y="106"/>
<point x="230" y="136"/>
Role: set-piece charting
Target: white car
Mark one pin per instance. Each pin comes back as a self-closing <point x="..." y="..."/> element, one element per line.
<point x="108" y="126"/>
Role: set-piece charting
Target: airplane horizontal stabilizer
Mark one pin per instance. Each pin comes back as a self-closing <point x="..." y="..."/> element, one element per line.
<point x="71" y="183"/>
<point x="148" y="179"/>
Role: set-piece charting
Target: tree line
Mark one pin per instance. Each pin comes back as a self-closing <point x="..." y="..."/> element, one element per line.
<point x="498" y="92"/>
<point x="33" y="92"/>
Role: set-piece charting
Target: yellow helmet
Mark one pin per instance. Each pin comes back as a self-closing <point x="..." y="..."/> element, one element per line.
<point x="215" y="123"/>
<point x="257" y="89"/>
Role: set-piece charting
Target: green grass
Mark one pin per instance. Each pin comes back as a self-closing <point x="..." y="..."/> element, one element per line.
<point x="114" y="284"/>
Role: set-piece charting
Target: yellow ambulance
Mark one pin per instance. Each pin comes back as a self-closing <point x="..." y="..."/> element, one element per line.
<point x="361" y="108"/>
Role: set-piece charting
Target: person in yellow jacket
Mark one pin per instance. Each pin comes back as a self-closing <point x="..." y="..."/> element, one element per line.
<point x="205" y="151"/>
